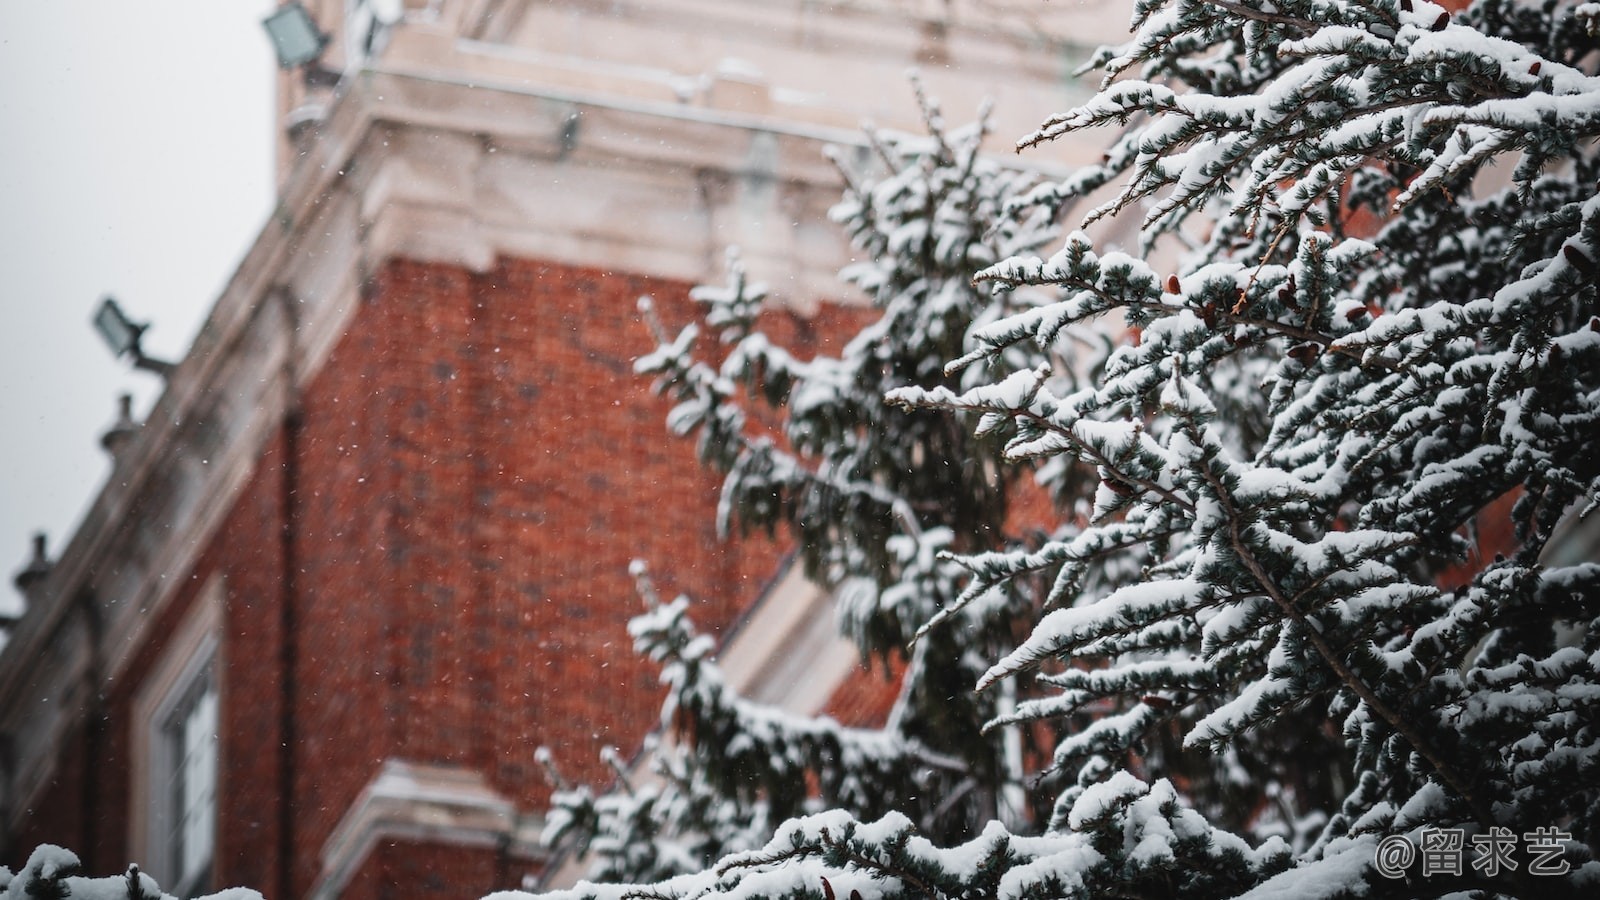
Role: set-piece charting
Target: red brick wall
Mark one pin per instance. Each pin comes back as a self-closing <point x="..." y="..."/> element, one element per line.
<point x="247" y="551"/>
<point x="583" y="479"/>
<point x="476" y="466"/>
<point x="56" y="814"/>
<point x="250" y="553"/>
<point x="468" y="478"/>
<point x="412" y="870"/>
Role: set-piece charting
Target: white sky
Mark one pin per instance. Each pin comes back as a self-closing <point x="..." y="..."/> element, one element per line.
<point x="135" y="160"/>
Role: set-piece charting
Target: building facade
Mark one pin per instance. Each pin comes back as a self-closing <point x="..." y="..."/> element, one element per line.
<point x="370" y="548"/>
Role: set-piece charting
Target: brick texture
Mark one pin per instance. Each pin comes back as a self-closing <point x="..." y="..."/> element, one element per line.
<point x="415" y="870"/>
<point x="430" y="563"/>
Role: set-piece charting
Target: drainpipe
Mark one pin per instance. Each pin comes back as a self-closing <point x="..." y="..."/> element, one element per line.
<point x="289" y="588"/>
<point x="94" y="731"/>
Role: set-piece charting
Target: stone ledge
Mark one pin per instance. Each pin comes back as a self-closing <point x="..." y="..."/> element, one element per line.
<point x="425" y="803"/>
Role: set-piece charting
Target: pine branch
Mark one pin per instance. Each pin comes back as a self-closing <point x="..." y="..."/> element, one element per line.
<point x="843" y="848"/>
<point x="1357" y="685"/>
<point x="1256" y="15"/>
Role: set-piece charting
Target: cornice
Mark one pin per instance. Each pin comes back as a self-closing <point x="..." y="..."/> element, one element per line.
<point x="179" y="475"/>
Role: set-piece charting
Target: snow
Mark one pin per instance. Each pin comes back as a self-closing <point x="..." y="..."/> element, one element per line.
<point x="48" y="873"/>
<point x="1065" y="628"/>
<point x="1343" y="866"/>
<point x="1212" y="473"/>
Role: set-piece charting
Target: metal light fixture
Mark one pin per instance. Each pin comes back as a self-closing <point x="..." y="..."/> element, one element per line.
<point x="122" y="335"/>
<point x="299" y="42"/>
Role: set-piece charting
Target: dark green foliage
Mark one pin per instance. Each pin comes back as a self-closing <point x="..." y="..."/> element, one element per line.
<point x="1279" y="634"/>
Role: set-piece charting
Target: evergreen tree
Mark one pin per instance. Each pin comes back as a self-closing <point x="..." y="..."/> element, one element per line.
<point x="875" y="497"/>
<point x="1373" y="338"/>
<point x="52" y="873"/>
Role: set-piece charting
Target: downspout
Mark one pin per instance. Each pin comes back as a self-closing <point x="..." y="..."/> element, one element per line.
<point x="94" y="731"/>
<point x="289" y="591"/>
<point x="8" y="799"/>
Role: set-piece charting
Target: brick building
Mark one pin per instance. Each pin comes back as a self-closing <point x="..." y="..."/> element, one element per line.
<point x="369" y="549"/>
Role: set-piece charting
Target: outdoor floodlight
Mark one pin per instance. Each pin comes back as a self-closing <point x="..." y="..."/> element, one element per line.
<point x="122" y="335"/>
<point x="298" y="42"/>
<point x="295" y="36"/>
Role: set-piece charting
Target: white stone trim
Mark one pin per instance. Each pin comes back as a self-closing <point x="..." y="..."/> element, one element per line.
<point x="415" y="159"/>
<point x="425" y="803"/>
<point x="788" y="652"/>
<point x="194" y="646"/>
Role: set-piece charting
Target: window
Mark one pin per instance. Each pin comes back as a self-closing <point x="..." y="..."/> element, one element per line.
<point x="190" y="736"/>
<point x="177" y="754"/>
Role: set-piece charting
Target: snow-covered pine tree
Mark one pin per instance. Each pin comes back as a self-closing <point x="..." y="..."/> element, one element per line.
<point x="872" y="495"/>
<point x="52" y="873"/>
<point x="1374" y="338"/>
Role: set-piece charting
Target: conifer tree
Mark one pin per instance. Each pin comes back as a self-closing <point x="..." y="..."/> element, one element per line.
<point x="874" y="497"/>
<point x="1379" y="351"/>
<point x="53" y="873"/>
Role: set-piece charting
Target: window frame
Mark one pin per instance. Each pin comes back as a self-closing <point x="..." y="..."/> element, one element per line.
<point x="191" y="659"/>
<point x="196" y="689"/>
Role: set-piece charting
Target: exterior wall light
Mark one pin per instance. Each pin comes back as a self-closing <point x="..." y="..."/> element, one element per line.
<point x="299" y="42"/>
<point x="122" y="335"/>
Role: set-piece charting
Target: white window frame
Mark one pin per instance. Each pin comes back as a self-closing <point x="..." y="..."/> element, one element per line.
<point x="191" y="657"/>
<point x="184" y="756"/>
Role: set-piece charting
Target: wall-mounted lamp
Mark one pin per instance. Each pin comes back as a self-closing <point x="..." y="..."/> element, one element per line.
<point x="122" y="335"/>
<point x="299" y="43"/>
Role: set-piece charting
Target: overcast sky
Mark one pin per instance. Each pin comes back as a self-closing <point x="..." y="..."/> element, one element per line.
<point x="135" y="160"/>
